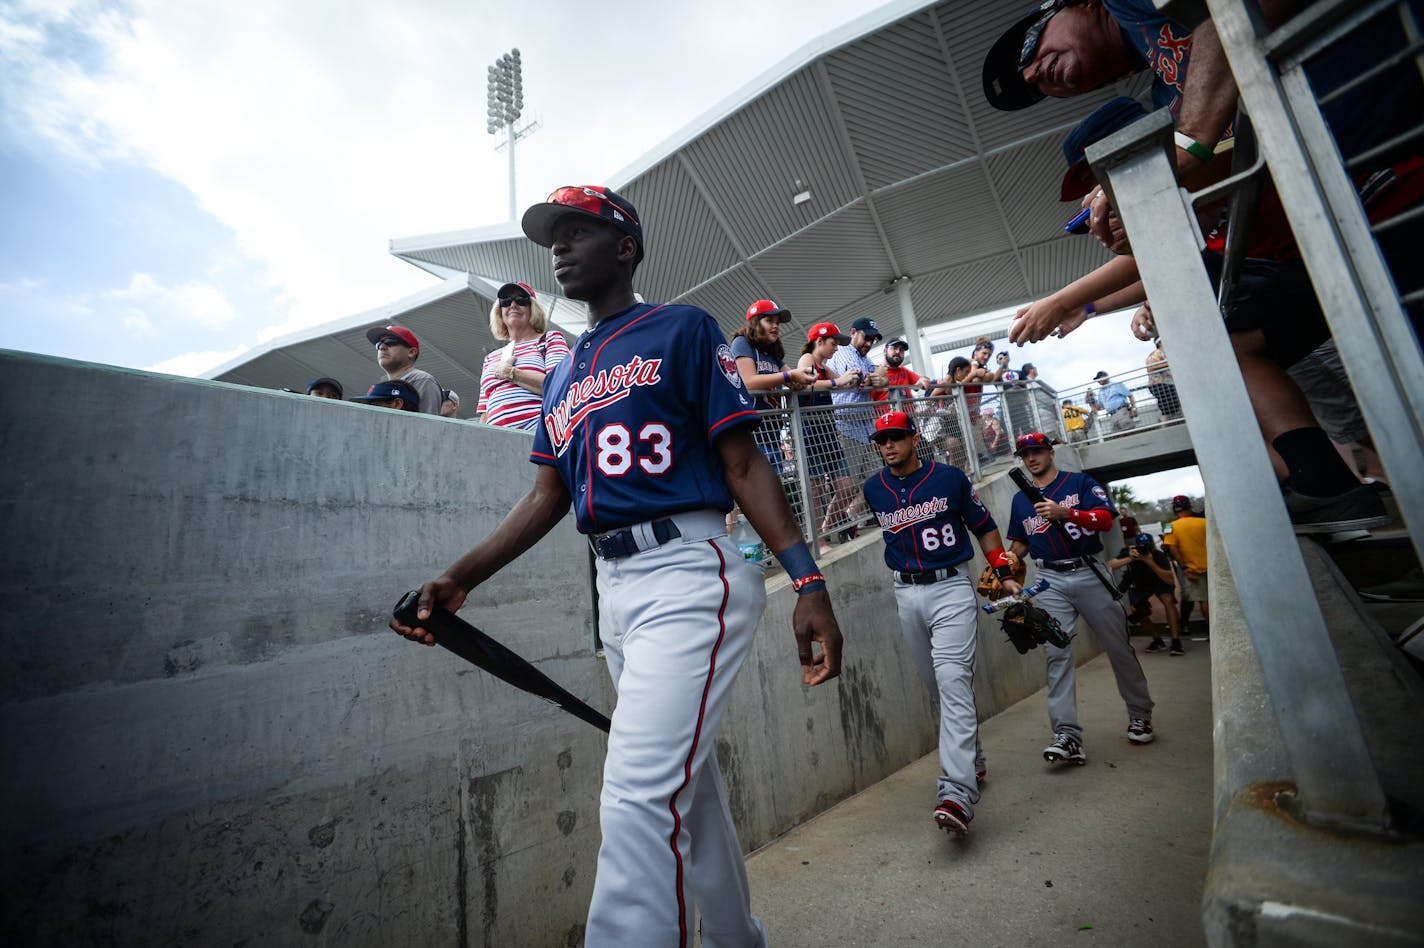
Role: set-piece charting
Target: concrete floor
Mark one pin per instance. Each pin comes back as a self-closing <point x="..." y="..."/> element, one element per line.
<point x="1112" y="853"/>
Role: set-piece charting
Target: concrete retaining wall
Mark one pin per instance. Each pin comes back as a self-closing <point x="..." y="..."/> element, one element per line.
<point x="213" y="738"/>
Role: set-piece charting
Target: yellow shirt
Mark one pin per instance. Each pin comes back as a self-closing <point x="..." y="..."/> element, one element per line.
<point x="1189" y="537"/>
<point x="1073" y="417"/>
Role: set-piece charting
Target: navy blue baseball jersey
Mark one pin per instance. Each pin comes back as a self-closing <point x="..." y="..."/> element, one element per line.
<point x="1073" y="490"/>
<point x="631" y="414"/>
<point x="926" y="518"/>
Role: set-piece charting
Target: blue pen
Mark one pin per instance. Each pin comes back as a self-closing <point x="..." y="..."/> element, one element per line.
<point x="1079" y="224"/>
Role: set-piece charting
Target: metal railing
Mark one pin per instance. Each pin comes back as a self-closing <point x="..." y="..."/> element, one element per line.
<point x="1155" y="404"/>
<point x="1336" y="781"/>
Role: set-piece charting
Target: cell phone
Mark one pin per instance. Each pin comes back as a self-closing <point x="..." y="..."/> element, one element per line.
<point x="1079" y="223"/>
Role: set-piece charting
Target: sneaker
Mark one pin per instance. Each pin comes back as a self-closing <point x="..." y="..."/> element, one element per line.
<point x="1140" y="731"/>
<point x="1379" y="487"/>
<point x="1176" y="648"/>
<point x="1156" y="645"/>
<point x="1408" y="588"/>
<point x="1065" y="748"/>
<point x="1358" y="509"/>
<point x="950" y="817"/>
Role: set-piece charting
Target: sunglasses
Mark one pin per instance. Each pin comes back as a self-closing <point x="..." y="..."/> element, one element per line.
<point x="389" y="341"/>
<point x="588" y="199"/>
<point x="1034" y="35"/>
<point x="505" y="301"/>
<point x="897" y="436"/>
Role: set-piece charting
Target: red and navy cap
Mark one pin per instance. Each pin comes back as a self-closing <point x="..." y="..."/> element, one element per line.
<point x="1181" y="502"/>
<point x="394" y="388"/>
<point x="1031" y="441"/>
<point x="400" y="332"/>
<point x="892" y="422"/>
<point x="514" y="289"/>
<point x="767" y="308"/>
<point x="590" y="200"/>
<point x="826" y="331"/>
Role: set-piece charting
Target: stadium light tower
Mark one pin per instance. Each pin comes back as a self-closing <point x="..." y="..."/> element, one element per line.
<point x="506" y="104"/>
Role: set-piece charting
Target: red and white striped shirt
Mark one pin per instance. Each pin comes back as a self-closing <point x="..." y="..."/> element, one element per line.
<point x="501" y="401"/>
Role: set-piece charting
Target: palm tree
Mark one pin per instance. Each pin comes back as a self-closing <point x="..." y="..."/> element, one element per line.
<point x="1122" y="497"/>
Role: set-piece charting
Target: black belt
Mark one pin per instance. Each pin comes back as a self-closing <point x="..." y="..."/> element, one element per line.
<point x="1060" y="566"/>
<point x="927" y="577"/>
<point x="621" y="543"/>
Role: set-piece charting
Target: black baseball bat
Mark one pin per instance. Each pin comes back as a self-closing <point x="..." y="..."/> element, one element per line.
<point x="1020" y="478"/>
<point x="477" y="648"/>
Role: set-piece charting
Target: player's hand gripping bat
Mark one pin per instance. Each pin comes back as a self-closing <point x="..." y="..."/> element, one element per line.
<point x="1035" y="495"/>
<point x="479" y="649"/>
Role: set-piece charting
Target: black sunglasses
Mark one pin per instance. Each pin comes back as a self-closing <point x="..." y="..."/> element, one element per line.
<point x="1034" y="34"/>
<point x="504" y="301"/>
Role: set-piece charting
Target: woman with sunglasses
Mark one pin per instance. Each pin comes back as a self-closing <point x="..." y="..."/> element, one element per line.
<point x="512" y="381"/>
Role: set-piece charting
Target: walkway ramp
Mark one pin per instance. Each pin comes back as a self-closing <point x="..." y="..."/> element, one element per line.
<point x="1112" y="853"/>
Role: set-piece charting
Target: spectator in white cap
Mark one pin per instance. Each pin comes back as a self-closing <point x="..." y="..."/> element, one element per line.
<point x="449" y="403"/>
<point x="396" y="352"/>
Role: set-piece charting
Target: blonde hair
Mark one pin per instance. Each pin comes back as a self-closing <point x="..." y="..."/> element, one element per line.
<point x="538" y="319"/>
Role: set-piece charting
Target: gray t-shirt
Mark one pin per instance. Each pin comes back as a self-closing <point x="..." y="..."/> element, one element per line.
<point x="426" y="387"/>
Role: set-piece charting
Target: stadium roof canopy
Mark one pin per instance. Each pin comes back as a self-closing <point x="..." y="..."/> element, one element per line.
<point x="868" y="156"/>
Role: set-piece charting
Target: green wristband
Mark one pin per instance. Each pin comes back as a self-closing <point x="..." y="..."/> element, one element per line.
<point x="1196" y="149"/>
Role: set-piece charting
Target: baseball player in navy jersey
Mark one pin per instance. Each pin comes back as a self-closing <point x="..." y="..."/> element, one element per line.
<point x="647" y="432"/>
<point x="927" y="511"/>
<point x="1081" y="505"/>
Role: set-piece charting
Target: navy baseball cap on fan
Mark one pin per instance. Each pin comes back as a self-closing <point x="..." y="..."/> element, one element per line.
<point x="400" y="332"/>
<point x="395" y="388"/>
<point x="1031" y="441"/>
<point x="767" y="308"/>
<point x="867" y="325"/>
<point x="589" y="200"/>
<point x="1143" y="541"/>
<point x="892" y="423"/>
<point x="328" y="381"/>
<point x="516" y="289"/>
<point x="1181" y="502"/>
<point x="898" y="341"/>
<point x="1109" y="117"/>
<point x="1011" y="54"/>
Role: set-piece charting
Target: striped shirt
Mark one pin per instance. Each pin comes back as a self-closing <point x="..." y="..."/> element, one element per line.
<point x="507" y="405"/>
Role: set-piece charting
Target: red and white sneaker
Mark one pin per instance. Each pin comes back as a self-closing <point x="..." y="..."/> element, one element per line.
<point x="950" y="817"/>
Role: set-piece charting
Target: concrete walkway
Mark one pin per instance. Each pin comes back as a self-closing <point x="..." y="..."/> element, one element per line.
<point x="1112" y="853"/>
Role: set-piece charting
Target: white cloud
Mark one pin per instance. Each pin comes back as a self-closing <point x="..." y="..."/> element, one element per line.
<point x="194" y="364"/>
<point x="201" y="303"/>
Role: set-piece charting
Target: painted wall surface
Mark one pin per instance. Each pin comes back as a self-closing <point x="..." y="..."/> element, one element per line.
<point x="212" y="737"/>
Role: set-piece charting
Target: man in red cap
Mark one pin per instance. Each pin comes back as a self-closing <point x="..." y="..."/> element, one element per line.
<point x="927" y="512"/>
<point x="396" y="352"/>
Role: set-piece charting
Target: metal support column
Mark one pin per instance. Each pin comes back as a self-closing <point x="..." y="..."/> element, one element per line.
<point x="1334" y="775"/>
<point x="918" y="353"/>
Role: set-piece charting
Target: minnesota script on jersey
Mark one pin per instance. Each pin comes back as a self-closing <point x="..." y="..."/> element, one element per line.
<point x="927" y="517"/>
<point x="630" y="416"/>
<point x="1071" y="489"/>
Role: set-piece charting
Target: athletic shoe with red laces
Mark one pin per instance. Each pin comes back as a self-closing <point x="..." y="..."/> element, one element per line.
<point x="950" y="817"/>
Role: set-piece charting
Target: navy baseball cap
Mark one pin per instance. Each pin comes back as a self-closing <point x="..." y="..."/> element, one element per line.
<point x="395" y="388"/>
<point x="892" y="422"/>
<point x="898" y="341"/>
<point x="1109" y="117"/>
<point x="1003" y="80"/>
<point x="327" y="380"/>
<point x="1031" y="441"/>
<point x="867" y="325"/>
<point x="589" y="200"/>
<point x="1143" y="541"/>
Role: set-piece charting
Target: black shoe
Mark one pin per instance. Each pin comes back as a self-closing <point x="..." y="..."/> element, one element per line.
<point x="1156" y="645"/>
<point x="1357" y="509"/>
<point x="1407" y="588"/>
<point x="1176" y="648"/>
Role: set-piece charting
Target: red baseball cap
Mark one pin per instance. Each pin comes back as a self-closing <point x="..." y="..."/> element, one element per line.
<point x="827" y="330"/>
<point x="1031" y="441"/>
<point x="767" y="308"/>
<point x="400" y="332"/>
<point x="892" y="422"/>
<point x="505" y="290"/>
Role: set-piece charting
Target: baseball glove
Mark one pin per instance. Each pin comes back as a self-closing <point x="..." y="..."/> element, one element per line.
<point x="989" y="585"/>
<point x="1027" y="626"/>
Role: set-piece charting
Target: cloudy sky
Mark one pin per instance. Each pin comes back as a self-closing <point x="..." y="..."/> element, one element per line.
<point x="182" y="181"/>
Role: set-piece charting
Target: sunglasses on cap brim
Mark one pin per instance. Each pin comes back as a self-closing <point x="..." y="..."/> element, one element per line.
<point x="587" y="199"/>
<point x="1034" y="35"/>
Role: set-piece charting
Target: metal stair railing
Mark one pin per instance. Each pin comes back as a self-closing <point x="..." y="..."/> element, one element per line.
<point x="1336" y="781"/>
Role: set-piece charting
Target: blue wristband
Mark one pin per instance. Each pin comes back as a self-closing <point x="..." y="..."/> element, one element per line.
<point x="797" y="561"/>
